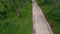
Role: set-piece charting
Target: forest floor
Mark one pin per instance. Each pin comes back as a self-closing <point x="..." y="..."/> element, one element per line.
<point x="40" y="25"/>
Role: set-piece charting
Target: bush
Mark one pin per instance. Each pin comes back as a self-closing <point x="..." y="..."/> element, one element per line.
<point x="3" y="14"/>
<point x="44" y="2"/>
<point x="9" y="28"/>
<point x="54" y="14"/>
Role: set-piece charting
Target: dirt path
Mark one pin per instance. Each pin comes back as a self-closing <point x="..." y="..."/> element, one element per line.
<point x="40" y="25"/>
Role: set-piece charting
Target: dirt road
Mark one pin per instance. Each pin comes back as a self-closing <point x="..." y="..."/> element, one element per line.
<point x="40" y="25"/>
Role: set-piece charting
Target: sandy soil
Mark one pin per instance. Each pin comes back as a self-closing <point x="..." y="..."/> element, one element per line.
<point x="40" y="25"/>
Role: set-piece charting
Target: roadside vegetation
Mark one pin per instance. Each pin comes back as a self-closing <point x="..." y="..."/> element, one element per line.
<point x="51" y="10"/>
<point x="10" y="20"/>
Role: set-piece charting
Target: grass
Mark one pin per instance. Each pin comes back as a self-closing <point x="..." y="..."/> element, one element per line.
<point x="15" y="25"/>
<point x="51" y="14"/>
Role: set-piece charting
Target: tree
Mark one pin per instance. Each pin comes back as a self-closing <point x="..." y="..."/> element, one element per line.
<point x="54" y="3"/>
<point x="13" y="2"/>
<point x="3" y="13"/>
<point x="46" y="1"/>
<point x="24" y="2"/>
<point x="4" y="4"/>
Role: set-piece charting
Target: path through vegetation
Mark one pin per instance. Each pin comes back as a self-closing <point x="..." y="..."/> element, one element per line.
<point x="40" y="25"/>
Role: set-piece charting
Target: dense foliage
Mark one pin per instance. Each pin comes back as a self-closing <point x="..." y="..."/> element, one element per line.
<point x="10" y="23"/>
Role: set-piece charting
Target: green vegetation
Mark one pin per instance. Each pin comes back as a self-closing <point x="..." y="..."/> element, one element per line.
<point x="52" y="13"/>
<point x="10" y="23"/>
